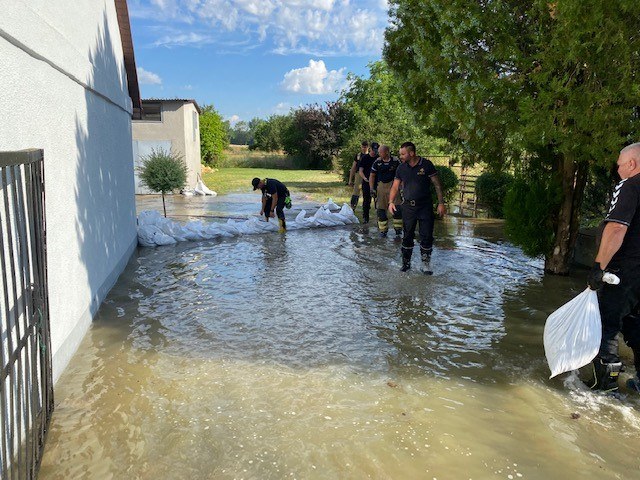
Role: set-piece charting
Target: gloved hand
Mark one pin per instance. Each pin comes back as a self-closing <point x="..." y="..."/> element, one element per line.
<point x="595" y="277"/>
<point x="374" y="194"/>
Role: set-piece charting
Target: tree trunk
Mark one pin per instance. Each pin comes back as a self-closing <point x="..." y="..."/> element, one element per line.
<point x="574" y="180"/>
<point x="163" y="206"/>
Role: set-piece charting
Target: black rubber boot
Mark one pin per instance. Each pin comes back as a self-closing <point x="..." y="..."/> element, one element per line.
<point x="354" y="201"/>
<point x="605" y="376"/>
<point x="633" y="384"/>
<point x="425" y="255"/>
<point x="406" y="259"/>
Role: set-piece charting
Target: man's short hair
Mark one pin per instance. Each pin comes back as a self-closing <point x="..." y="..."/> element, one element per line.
<point x="364" y="143"/>
<point x="409" y="147"/>
<point x="634" y="149"/>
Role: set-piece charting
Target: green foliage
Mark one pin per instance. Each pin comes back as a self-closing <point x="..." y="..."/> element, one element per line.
<point x="214" y="135"/>
<point x="316" y="134"/>
<point x="597" y="195"/>
<point x="449" y="182"/>
<point x="529" y="209"/>
<point x="163" y="171"/>
<point x="269" y="134"/>
<point x="491" y="191"/>
<point x="510" y="81"/>
<point x="380" y="113"/>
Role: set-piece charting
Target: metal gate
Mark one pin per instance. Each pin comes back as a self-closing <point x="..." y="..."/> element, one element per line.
<point x="26" y="397"/>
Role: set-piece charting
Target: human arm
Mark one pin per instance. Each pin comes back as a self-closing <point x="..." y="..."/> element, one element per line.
<point x="264" y="203"/>
<point x="612" y="238"/>
<point x="362" y="175"/>
<point x="393" y="194"/>
<point x="372" y="182"/>
<point x="352" y="173"/>
<point x="438" y="186"/>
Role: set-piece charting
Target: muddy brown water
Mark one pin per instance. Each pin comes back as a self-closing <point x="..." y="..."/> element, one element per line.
<point x="310" y="355"/>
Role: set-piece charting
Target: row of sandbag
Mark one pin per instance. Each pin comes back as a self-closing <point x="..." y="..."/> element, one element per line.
<point x="154" y="229"/>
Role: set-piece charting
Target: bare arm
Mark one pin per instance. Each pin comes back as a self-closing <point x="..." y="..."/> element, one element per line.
<point x="612" y="238"/>
<point x="438" y="186"/>
<point x="352" y="173"/>
<point x="274" y="202"/>
<point x="392" y="195"/>
<point x="361" y="172"/>
<point x="264" y="204"/>
<point x="372" y="180"/>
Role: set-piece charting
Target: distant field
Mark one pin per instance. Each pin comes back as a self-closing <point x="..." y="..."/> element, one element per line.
<point x="241" y="156"/>
<point x="318" y="185"/>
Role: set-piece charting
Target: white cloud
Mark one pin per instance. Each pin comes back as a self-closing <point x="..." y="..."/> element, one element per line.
<point x="282" y="108"/>
<point x="233" y="119"/>
<point x="314" y="27"/>
<point x="148" y="78"/>
<point x="314" y="79"/>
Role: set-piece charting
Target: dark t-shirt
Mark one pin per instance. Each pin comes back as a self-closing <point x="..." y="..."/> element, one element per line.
<point x="625" y="209"/>
<point x="385" y="171"/>
<point x="366" y="162"/>
<point x="272" y="186"/>
<point x="416" y="181"/>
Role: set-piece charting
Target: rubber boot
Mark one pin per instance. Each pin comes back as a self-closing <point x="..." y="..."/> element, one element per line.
<point x="633" y="384"/>
<point x="383" y="227"/>
<point x="283" y="225"/>
<point x="406" y="259"/>
<point x="354" y="201"/>
<point x="425" y="255"/>
<point x="605" y="375"/>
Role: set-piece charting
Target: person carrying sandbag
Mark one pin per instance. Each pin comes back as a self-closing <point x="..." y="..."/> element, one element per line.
<point x="619" y="252"/>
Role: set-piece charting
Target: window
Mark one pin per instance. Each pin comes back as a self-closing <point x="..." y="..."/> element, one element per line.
<point x="152" y="111"/>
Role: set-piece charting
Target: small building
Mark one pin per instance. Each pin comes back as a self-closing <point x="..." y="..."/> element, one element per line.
<point x="168" y="124"/>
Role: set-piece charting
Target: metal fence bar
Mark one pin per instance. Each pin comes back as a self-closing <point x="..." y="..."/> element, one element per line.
<point x="26" y="400"/>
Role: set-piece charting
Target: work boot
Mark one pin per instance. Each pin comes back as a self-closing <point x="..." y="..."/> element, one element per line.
<point x="354" y="201"/>
<point x="283" y="225"/>
<point x="426" y="261"/>
<point x="605" y="375"/>
<point x="406" y="259"/>
<point x="383" y="234"/>
<point x="634" y="384"/>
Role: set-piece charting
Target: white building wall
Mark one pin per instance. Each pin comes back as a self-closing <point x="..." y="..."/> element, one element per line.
<point x="176" y="130"/>
<point x="63" y="89"/>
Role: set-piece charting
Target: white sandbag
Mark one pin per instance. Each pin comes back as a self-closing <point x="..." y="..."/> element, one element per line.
<point x="330" y="205"/>
<point x="150" y="236"/>
<point x="572" y="334"/>
<point x="202" y="189"/>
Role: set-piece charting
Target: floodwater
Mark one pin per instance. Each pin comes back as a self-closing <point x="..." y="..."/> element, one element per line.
<point x="311" y="356"/>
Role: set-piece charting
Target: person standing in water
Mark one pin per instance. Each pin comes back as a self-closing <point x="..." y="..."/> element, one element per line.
<point x="275" y="197"/>
<point x="383" y="172"/>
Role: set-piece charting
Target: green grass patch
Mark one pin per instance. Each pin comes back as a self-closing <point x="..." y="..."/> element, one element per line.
<point x="317" y="185"/>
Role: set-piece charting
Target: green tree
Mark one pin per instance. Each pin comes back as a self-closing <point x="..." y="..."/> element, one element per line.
<point x="382" y="114"/>
<point x="214" y="135"/>
<point x="548" y="86"/>
<point x="491" y="191"/>
<point x="163" y="171"/>
<point x="269" y="134"/>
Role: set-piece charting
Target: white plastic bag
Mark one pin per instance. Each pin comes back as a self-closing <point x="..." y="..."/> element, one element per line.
<point x="572" y="334"/>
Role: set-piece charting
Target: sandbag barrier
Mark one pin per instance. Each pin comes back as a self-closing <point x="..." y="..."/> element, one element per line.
<point x="155" y="230"/>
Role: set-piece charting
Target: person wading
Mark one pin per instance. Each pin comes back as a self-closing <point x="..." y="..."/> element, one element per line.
<point x="366" y="162"/>
<point x="416" y="175"/>
<point x="354" y="175"/>
<point x="275" y="197"/>
<point x="619" y="253"/>
<point x="383" y="172"/>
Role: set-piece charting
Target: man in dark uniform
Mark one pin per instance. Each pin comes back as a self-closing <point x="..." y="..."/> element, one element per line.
<point x="619" y="253"/>
<point x="275" y="196"/>
<point x="366" y="162"/>
<point x="416" y="174"/>
<point x="383" y="172"/>
<point x="354" y="175"/>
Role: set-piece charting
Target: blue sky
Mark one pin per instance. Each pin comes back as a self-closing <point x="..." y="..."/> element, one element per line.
<point x="253" y="57"/>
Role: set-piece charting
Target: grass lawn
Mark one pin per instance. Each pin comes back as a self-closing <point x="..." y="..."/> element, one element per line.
<point x="318" y="185"/>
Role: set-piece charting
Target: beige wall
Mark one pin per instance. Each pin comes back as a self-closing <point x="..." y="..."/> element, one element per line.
<point x="175" y="129"/>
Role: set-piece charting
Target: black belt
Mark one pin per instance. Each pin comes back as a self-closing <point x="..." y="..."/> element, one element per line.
<point x="416" y="203"/>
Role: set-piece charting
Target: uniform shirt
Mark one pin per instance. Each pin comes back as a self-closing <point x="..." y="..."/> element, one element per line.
<point x="274" y="186"/>
<point x="625" y="209"/>
<point x="366" y="162"/>
<point x="416" y="181"/>
<point x="385" y="171"/>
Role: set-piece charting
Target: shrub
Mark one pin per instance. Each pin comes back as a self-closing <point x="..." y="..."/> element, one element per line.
<point x="163" y="172"/>
<point x="491" y="191"/>
<point x="449" y="182"/>
<point x="528" y="209"/>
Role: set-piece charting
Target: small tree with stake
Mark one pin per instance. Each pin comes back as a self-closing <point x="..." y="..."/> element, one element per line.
<point x="163" y="171"/>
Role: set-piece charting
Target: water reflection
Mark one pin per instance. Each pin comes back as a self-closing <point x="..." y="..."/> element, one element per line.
<point x="311" y="356"/>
